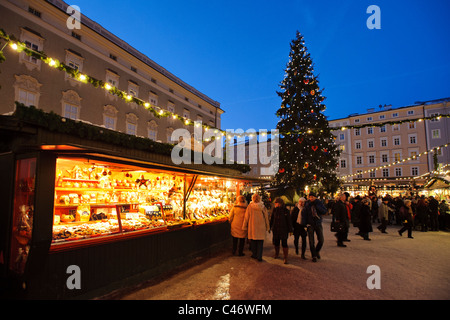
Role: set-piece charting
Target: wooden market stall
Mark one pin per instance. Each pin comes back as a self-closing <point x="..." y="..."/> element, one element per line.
<point x="77" y="197"/>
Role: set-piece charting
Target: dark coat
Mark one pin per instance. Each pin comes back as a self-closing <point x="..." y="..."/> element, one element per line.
<point x="280" y="223"/>
<point x="339" y="212"/>
<point x="307" y="215"/>
<point x="406" y="215"/>
<point x="365" y="222"/>
<point x="356" y="212"/>
<point x="433" y="204"/>
<point x="422" y="212"/>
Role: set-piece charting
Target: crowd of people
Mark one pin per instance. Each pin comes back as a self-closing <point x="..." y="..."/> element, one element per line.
<point x="250" y="222"/>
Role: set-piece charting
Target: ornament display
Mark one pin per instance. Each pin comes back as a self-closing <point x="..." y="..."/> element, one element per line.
<point x="104" y="199"/>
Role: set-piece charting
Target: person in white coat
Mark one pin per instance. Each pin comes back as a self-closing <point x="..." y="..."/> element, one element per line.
<point x="237" y="214"/>
<point x="256" y="222"/>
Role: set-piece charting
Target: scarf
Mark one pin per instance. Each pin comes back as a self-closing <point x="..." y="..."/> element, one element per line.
<point x="299" y="218"/>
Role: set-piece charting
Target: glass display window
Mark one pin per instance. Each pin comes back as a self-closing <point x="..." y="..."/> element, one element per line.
<point x="211" y="199"/>
<point x="95" y="198"/>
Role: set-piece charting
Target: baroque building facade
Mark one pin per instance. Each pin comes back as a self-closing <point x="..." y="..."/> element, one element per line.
<point x="392" y="156"/>
<point x="93" y="50"/>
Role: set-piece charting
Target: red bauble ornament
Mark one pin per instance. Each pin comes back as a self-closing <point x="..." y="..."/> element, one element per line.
<point x="313" y="92"/>
<point x="281" y="171"/>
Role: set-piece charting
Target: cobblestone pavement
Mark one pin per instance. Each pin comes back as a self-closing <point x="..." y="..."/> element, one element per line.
<point x="410" y="269"/>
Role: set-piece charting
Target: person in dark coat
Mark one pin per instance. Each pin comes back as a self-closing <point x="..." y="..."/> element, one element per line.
<point x="340" y="215"/>
<point x="374" y="208"/>
<point x="406" y="214"/>
<point x="356" y="211"/>
<point x="312" y="219"/>
<point x="422" y="214"/>
<point x="433" y="204"/>
<point x="299" y="229"/>
<point x="280" y="225"/>
<point x="443" y="215"/>
<point x="365" y="221"/>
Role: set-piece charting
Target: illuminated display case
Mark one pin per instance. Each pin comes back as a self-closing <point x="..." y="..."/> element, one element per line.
<point x="96" y="198"/>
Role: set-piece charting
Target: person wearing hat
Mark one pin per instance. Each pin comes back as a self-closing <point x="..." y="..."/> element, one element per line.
<point x="256" y="223"/>
<point x="236" y="218"/>
<point x="312" y="218"/>
<point x="299" y="228"/>
<point x="280" y="225"/>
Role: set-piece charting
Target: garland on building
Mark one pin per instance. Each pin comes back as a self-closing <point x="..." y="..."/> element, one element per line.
<point x="434" y="149"/>
<point x="161" y="113"/>
<point x="55" y="123"/>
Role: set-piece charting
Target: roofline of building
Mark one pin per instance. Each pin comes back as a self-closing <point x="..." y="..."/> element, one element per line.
<point x="417" y="104"/>
<point x="97" y="28"/>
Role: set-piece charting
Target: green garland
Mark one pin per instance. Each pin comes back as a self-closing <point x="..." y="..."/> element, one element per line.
<point x="55" y="123"/>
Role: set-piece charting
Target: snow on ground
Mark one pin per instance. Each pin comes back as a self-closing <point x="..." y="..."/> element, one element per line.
<point x="410" y="269"/>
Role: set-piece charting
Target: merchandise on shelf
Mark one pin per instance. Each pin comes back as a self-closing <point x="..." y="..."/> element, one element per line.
<point x="96" y="198"/>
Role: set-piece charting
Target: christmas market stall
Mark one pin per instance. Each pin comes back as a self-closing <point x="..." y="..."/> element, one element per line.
<point x="86" y="210"/>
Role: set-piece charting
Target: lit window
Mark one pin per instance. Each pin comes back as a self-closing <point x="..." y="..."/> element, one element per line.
<point x="436" y="134"/>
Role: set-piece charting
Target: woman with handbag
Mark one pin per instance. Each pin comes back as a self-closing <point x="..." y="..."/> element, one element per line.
<point x="340" y="217"/>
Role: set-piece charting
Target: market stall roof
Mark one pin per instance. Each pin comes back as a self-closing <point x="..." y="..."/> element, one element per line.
<point x="31" y="129"/>
<point x="438" y="182"/>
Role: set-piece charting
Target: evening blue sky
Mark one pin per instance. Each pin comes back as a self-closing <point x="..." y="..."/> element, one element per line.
<point x="236" y="52"/>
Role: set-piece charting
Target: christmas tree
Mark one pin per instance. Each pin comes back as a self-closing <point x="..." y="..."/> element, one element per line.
<point x="307" y="153"/>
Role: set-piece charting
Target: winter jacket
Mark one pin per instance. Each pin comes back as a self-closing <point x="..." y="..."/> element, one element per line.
<point x="280" y="223"/>
<point x="406" y="214"/>
<point x="236" y="219"/>
<point x="433" y="204"/>
<point x="339" y="212"/>
<point x="307" y="213"/>
<point x="256" y="221"/>
<point x="383" y="211"/>
<point x="365" y="221"/>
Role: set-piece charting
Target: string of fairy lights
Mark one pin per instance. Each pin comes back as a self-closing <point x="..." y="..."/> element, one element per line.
<point x="160" y="112"/>
<point x="415" y="157"/>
